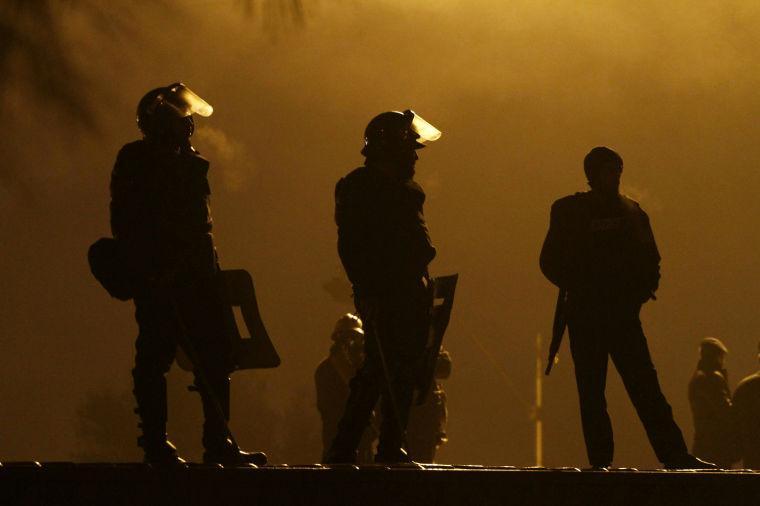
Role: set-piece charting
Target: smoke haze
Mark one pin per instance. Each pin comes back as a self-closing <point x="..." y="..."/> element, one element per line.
<point x="521" y="90"/>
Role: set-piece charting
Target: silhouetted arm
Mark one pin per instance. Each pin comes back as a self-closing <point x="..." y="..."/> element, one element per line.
<point x="555" y="259"/>
<point x="651" y="257"/>
<point x="357" y="242"/>
<point x="125" y="193"/>
<point x="415" y="250"/>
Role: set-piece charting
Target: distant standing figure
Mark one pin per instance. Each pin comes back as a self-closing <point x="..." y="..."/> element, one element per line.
<point x="746" y="410"/>
<point x="161" y="218"/>
<point x="601" y="250"/>
<point x="331" y="379"/>
<point x="385" y="248"/>
<point x="710" y="400"/>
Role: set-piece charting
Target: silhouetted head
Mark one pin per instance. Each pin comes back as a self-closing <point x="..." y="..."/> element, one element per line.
<point x="347" y="327"/>
<point x="393" y="137"/>
<point x="603" y="168"/>
<point x="166" y="114"/>
<point x="348" y="337"/>
<point x="712" y="352"/>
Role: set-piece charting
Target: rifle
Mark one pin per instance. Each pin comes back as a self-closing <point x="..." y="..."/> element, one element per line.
<point x="558" y="328"/>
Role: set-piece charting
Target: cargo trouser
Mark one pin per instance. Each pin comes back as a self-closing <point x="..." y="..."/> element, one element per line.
<point x="196" y="301"/>
<point x="614" y="330"/>
<point x="395" y="336"/>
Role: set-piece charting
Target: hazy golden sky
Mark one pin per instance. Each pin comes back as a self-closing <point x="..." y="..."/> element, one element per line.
<point x="521" y="90"/>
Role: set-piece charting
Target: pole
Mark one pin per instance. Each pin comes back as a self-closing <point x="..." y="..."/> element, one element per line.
<point x="538" y="415"/>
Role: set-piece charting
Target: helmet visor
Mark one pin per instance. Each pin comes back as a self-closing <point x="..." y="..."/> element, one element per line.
<point x="426" y="131"/>
<point x="185" y="102"/>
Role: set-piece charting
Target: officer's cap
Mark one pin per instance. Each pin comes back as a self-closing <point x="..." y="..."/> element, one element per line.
<point x="712" y="346"/>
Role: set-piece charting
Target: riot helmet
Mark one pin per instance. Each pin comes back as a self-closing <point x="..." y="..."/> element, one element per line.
<point x="394" y="132"/>
<point x="167" y="113"/>
<point x="347" y="327"/>
<point x="348" y="339"/>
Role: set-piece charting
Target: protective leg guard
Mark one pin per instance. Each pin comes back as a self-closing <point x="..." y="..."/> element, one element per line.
<point x="151" y="407"/>
<point x="219" y="447"/>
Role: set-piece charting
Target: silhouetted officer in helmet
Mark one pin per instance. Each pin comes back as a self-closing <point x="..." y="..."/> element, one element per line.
<point x="331" y="380"/>
<point x="710" y="401"/>
<point x="385" y="248"/>
<point x="161" y="219"/>
<point x="746" y="415"/>
<point x="601" y="250"/>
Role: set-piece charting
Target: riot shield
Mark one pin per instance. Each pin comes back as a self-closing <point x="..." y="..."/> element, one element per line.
<point x="254" y="352"/>
<point x="442" y="300"/>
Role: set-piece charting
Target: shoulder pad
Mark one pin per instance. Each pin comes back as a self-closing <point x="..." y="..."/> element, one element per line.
<point x="198" y="162"/>
<point x="746" y="382"/>
<point x="357" y="174"/>
<point x="130" y="159"/>
<point x="568" y="202"/>
<point x="356" y="177"/>
<point x="132" y="149"/>
<point x="629" y="202"/>
<point x="350" y="182"/>
<point x="414" y="186"/>
<point x="197" y="156"/>
<point x="633" y="207"/>
<point x="628" y="199"/>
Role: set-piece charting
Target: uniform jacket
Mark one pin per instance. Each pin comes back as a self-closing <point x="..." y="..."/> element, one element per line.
<point x="160" y="208"/>
<point x="383" y="241"/>
<point x="601" y="250"/>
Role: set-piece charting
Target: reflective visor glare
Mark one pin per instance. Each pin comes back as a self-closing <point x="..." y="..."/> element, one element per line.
<point x="183" y="100"/>
<point x="426" y="131"/>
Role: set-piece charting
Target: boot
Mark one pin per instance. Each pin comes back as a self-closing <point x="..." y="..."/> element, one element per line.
<point x="392" y="440"/>
<point x="228" y="453"/>
<point x="151" y="407"/>
<point x="220" y="448"/>
<point x="159" y="450"/>
<point x="399" y="456"/>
